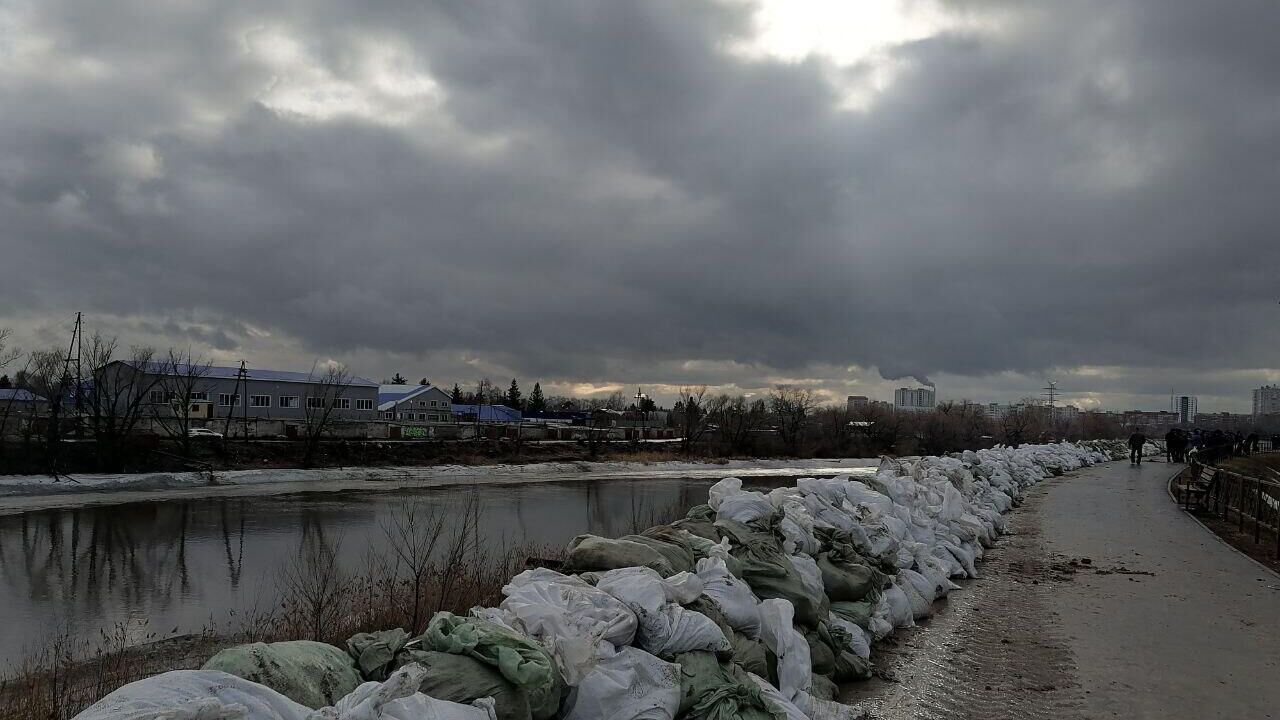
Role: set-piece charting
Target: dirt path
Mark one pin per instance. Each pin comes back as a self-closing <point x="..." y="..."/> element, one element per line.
<point x="1106" y="602"/>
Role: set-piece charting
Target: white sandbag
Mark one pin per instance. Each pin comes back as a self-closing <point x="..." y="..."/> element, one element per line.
<point x="795" y="668"/>
<point x="664" y="627"/>
<point x="859" y="643"/>
<point x="626" y="684"/>
<point x="721" y="490"/>
<point x="567" y="616"/>
<point x="810" y="575"/>
<point x="922" y="585"/>
<point x="920" y="607"/>
<point x="777" y="702"/>
<point x="192" y="695"/>
<point x="898" y="607"/>
<point x="733" y="596"/>
<point x="398" y="699"/>
<point x="796" y="528"/>
<point x="745" y="507"/>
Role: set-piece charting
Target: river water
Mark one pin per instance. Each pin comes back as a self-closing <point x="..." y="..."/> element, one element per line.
<point x="180" y="564"/>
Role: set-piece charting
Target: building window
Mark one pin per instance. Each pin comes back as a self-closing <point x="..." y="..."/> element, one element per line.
<point x="289" y="401"/>
<point x="433" y="403"/>
<point x="260" y="401"/>
<point x="156" y="397"/>
<point x="363" y="404"/>
<point x="434" y="418"/>
<point x="342" y="403"/>
<point x="315" y="403"/>
<point x="228" y="399"/>
<point x="201" y="396"/>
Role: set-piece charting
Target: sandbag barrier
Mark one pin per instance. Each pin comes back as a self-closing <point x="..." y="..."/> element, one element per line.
<point x="753" y="606"/>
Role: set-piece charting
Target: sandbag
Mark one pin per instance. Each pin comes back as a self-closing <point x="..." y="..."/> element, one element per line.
<point x="375" y="653"/>
<point x="844" y="581"/>
<point x="311" y="673"/>
<point x="521" y="661"/>
<point x="665" y="628"/>
<point x="769" y="572"/>
<point x="398" y="699"/>
<point x="626" y="684"/>
<point x="591" y="552"/>
<point x="712" y="690"/>
<point x="568" y="616"/>
<point x="194" y="694"/>
<point x="734" y="597"/>
<point x="752" y="655"/>
<point x="795" y="674"/>
<point x="463" y="679"/>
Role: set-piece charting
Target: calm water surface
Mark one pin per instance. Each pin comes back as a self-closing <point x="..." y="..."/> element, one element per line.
<point x="166" y="566"/>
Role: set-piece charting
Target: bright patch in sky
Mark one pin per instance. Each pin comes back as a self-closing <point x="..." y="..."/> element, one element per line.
<point x="850" y="33"/>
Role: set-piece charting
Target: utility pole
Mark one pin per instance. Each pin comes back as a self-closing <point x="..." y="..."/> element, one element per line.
<point x="74" y="355"/>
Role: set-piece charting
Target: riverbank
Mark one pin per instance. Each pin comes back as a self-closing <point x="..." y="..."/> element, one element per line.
<point x="26" y="493"/>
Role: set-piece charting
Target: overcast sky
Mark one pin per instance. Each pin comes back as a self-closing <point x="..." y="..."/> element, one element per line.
<point x="607" y="194"/>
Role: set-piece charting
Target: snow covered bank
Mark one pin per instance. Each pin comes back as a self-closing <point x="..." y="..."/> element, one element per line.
<point x="23" y="485"/>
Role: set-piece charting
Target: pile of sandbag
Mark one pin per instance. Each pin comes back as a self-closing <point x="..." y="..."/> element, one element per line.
<point x="755" y="606"/>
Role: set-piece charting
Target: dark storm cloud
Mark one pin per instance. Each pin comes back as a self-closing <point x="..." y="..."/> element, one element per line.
<point x="597" y="190"/>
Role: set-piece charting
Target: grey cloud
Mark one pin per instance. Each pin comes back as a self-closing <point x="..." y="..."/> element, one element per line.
<point x="604" y="193"/>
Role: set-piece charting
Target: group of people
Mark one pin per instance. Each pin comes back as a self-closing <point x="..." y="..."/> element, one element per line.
<point x="1209" y="447"/>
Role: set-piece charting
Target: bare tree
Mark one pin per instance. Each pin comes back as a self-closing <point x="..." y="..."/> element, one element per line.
<point x="183" y="378"/>
<point x="691" y="416"/>
<point x="8" y="355"/>
<point x="792" y="406"/>
<point x="1020" y="422"/>
<point x="413" y="535"/>
<point x="736" y="420"/>
<point x="120" y="395"/>
<point x="314" y="585"/>
<point x="47" y="377"/>
<point x="324" y="406"/>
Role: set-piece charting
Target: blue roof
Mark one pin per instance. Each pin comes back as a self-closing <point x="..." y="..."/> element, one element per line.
<point x="231" y="373"/>
<point x="488" y="413"/>
<point x="18" y="395"/>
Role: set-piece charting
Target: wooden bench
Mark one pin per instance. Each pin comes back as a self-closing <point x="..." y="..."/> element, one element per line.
<point x="1198" y="487"/>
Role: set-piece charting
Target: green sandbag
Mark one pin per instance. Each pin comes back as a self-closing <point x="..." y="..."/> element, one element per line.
<point x="846" y="666"/>
<point x="846" y="581"/>
<point x="821" y="656"/>
<point x="702" y="548"/>
<point x="591" y="552"/>
<point x="712" y="690"/>
<point x="311" y="673"/>
<point x="701" y="512"/>
<point x="824" y="688"/>
<point x="700" y="520"/>
<point x="768" y="571"/>
<point x="754" y="657"/>
<point x="705" y="529"/>
<point x="462" y="679"/>
<point x="859" y="612"/>
<point x="677" y="555"/>
<point x="521" y="661"/>
<point x="375" y="653"/>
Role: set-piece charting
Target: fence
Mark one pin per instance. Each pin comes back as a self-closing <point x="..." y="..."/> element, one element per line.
<point x="1229" y="495"/>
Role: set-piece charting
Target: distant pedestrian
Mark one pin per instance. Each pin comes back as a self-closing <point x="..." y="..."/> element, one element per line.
<point x="1171" y="445"/>
<point x="1136" y="441"/>
<point x="1251" y="443"/>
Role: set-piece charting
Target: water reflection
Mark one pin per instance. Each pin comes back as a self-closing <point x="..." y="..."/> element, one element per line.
<point x="181" y="565"/>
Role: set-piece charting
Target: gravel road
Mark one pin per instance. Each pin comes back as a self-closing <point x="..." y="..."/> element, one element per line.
<point x="1105" y="601"/>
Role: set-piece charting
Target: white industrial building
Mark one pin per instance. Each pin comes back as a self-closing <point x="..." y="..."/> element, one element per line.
<point x="1266" y="400"/>
<point x="1186" y="407"/>
<point x="913" y="399"/>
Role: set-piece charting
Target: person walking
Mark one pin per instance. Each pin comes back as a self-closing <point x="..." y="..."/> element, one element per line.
<point x="1171" y="445"/>
<point x="1136" y="441"/>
